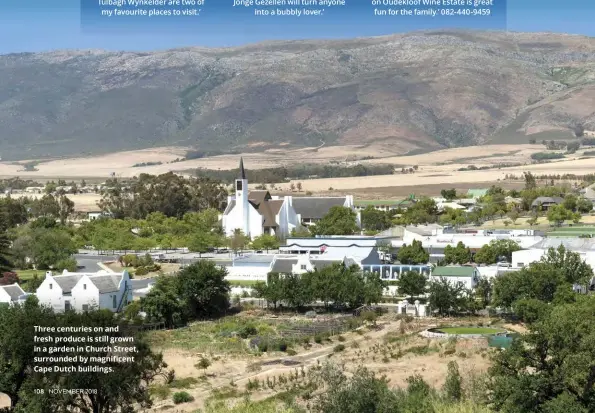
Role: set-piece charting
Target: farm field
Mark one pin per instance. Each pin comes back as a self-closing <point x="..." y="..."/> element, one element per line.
<point x="392" y="347"/>
<point x="434" y="169"/>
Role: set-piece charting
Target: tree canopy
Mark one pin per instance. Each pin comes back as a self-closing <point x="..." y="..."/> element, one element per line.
<point x="338" y="221"/>
<point x="413" y="254"/>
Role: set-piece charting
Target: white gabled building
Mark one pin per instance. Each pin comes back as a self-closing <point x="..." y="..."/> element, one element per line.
<point x="12" y="294"/>
<point x="85" y="291"/>
<point x="257" y="212"/>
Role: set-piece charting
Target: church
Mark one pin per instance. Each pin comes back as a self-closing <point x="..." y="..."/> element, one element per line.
<point x="257" y="212"/>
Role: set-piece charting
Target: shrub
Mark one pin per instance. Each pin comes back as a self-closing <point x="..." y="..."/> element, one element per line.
<point x="341" y="338"/>
<point x="545" y="156"/>
<point x="182" y="397"/>
<point x="338" y="348"/>
<point x="318" y="339"/>
<point x="247" y="331"/>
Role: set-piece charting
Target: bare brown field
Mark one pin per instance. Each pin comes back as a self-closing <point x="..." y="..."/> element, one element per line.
<point x="393" y="349"/>
<point x="434" y="170"/>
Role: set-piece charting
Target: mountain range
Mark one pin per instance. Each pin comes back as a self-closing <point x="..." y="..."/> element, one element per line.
<point x="413" y="92"/>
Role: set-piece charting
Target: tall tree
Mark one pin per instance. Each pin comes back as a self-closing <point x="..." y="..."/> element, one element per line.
<point x="265" y="242"/>
<point x="412" y="283"/>
<point x="5" y="254"/>
<point x="549" y="369"/>
<point x="445" y="296"/>
<point x="205" y="290"/>
<point x="457" y="255"/>
<point x="338" y="221"/>
<point x="413" y="254"/>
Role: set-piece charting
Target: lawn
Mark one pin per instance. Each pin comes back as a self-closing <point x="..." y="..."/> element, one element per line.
<point x="242" y="283"/>
<point x="25" y="275"/>
<point x="469" y="330"/>
<point x="542" y="224"/>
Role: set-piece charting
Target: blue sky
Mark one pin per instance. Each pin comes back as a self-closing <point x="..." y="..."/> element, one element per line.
<point x="37" y="25"/>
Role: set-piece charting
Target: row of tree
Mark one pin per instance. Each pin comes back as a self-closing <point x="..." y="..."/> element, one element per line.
<point x="337" y="285"/>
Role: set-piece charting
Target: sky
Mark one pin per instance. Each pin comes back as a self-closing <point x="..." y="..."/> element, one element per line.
<point x="40" y="25"/>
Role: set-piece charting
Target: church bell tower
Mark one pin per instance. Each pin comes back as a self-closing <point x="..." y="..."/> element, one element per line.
<point x="242" y="200"/>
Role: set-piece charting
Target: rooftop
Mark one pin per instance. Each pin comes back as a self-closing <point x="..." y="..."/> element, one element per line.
<point x="453" y="271"/>
<point x="13" y="290"/>
<point x="316" y="207"/>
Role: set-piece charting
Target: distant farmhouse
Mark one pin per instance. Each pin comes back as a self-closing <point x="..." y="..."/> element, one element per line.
<point x="546" y="202"/>
<point x="258" y="212"/>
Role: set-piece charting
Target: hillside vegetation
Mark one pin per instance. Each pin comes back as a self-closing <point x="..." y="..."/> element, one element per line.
<point x="412" y="92"/>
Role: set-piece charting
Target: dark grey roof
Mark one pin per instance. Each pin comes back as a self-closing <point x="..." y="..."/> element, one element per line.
<point x="349" y="262"/>
<point x="242" y="171"/>
<point x="547" y="200"/>
<point x="66" y="282"/>
<point x="316" y="207"/>
<point x="284" y="265"/>
<point x="106" y="283"/>
<point x="320" y="264"/>
<point x="14" y="291"/>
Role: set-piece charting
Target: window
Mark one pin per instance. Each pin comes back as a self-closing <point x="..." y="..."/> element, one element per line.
<point x="51" y="286"/>
<point x="85" y="307"/>
<point x="303" y="267"/>
<point x="114" y="301"/>
<point x="238" y="185"/>
<point x="67" y="306"/>
<point x="84" y="286"/>
<point x="521" y="264"/>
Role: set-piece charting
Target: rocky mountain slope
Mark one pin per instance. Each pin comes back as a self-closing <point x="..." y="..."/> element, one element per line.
<point x="412" y="92"/>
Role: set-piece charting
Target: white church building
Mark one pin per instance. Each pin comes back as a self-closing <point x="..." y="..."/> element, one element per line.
<point x="257" y="212"/>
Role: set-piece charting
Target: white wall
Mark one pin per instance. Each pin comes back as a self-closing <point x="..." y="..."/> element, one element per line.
<point x="240" y="273"/>
<point x="51" y="297"/>
<point x="468" y="282"/>
<point x="234" y="220"/>
<point x="287" y="218"/>
<point x="4" y="297"/>
<point x="84" y="296"/>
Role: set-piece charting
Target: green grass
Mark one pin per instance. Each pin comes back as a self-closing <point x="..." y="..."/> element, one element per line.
<point x="469" y="330"/>
<point x="243" y="283"/>
<point x="25" y="275"/>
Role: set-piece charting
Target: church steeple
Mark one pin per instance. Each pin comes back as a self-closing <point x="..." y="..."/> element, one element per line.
<point x="242" y="171"/>
<point x="242" y="200"/>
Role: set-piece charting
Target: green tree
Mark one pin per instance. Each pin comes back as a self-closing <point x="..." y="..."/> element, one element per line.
<point x="557" y="214"/>
<point x="556" y="271"/>
<point x="457" y="255"/>
<point x="492" y="252"/>
<point x="570" y="202"/>
<point x="273" y="292"/>
<point x="204" y="289"/>
<point x="65" y="208"/>
<point x="265" y="242"/>
<point x="16" y="345"/>
<point x="338" y="221"/>
<point x="238" y="240"/>
<point x="375" y="220"/>
<point x="5" y="244"/>
<point x="162" y="302"/>
<point x="449" y="194"/>
<point x="201" y="242"/>
<point x="124" y="389"/>
<point x="412" y="284"/>
<point x="483" y="291"/>
<point x="584" y="205"/>
<point x="445" y="296"/>
<point x="550" y="368"/>
<point x="453" y="386"/>
<point x="413" y="254"/>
